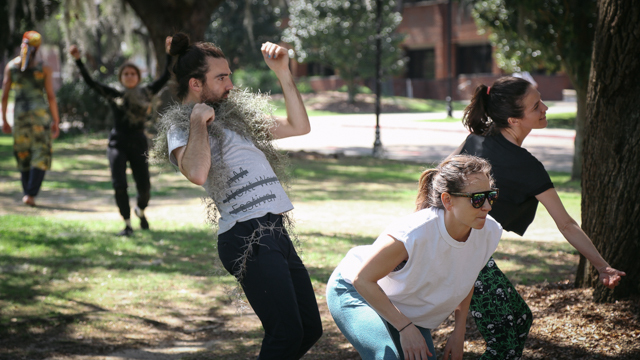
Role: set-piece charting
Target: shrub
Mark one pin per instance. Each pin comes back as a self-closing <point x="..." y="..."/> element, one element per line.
<point x="360" y="90"/>
<point x="304" y="86"/>
<point x="257" y="80"/>
<point x="82" y="108"/>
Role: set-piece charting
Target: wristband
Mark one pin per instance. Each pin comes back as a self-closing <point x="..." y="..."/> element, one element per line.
<point x="406" y="326"/>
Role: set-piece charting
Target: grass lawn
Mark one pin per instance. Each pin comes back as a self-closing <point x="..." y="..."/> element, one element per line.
<point x="554" y="120"/>
<point x="68" y="285"/>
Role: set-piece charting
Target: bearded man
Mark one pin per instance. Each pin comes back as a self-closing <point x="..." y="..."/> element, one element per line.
<point x="221" y="138"/>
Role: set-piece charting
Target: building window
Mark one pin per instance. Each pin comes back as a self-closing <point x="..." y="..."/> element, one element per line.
<point x="422" y="64"/>
<point x="317" y="69"/>
<point x="474" y="59"/>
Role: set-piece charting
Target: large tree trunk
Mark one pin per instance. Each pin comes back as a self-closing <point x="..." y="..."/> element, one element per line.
<point x="611" y="167"/>
<point x="165" y="17"/>
<point x="578" y="149"/>
<point x="576" y="170"/>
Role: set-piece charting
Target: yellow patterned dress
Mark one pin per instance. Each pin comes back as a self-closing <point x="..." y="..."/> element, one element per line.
<point x="31" y="120"/>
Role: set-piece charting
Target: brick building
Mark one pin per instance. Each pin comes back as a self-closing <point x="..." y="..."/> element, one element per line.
<point x="426" y="25"/>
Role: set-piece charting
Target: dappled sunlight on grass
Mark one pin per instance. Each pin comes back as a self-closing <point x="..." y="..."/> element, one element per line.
<point x="67" y="282"/>
<point x="78" y="278"/>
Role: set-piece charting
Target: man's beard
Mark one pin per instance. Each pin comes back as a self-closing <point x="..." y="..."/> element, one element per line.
<point x="208" y="97"/>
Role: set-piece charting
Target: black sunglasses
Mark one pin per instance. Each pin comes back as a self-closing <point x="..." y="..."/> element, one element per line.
<point x="478" y="198"/>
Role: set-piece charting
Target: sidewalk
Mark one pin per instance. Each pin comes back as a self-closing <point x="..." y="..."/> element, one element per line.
<point x="411" y="137"/>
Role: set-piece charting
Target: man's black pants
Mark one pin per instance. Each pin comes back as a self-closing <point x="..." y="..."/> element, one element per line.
<point x="277" y="286"/>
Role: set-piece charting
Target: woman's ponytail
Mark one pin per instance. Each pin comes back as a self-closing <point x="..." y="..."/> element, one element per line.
<point x="425" y="189"/>
<point x="475" y="114"/>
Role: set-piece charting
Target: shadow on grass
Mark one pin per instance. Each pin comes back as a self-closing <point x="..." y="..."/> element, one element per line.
<point x="41" y="337"/>
<point x="46" y="250"/>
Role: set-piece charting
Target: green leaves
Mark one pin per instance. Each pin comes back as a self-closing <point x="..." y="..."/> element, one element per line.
<point x="342" y="34"/>
<point x="540" y="34"/>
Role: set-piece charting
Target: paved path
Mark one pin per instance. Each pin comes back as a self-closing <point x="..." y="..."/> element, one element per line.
<point x="411" y="137"/>
<point x="406" y="137"/>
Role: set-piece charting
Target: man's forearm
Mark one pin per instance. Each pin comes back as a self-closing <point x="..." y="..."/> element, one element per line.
<point x="196" y="160"/>
<point x="297" y="122"/>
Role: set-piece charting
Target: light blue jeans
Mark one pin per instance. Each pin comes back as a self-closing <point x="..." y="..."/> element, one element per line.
<point x="368" y="332"/>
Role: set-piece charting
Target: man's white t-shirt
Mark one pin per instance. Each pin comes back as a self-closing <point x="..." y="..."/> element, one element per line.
<point x="253" y="188"/>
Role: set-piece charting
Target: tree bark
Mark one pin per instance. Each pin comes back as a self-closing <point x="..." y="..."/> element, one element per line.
<point x="611" y="163"/>
<point x="166" y="17"/>
<point x="578" y="149"/>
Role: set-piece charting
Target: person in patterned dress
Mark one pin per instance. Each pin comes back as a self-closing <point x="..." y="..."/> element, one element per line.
<point x="35" y="120"/>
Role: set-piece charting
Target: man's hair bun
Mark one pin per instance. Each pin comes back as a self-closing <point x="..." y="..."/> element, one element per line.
<point x="179" y="44"/>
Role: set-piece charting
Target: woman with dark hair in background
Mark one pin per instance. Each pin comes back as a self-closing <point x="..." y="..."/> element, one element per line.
<point x="33" y="126"/>
<point x="127" y="141"/>
<point x="500" y="117"/>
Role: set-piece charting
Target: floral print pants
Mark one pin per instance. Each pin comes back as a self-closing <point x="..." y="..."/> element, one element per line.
<point x="501" y="315"/>
<point x="32" y="139"/>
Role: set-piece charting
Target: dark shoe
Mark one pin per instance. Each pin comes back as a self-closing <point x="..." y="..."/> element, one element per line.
<point x="144" y="224"/>
<point x="126" y="232"/>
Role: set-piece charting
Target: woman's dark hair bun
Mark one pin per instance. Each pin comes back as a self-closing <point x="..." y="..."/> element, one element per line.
<point x="179" y="44"/>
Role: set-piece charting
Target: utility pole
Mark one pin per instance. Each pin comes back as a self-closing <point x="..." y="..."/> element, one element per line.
<point x="449" y="76"/>
<point x="377" y="144"/>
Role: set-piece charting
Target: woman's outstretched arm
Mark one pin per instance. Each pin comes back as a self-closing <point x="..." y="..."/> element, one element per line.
<point x="571" y="231"/>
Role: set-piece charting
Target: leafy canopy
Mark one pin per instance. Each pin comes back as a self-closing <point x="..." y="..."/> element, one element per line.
<point x="540" y="34"/>
<point x="240" y="27"/>
<point x="342" y="33"/>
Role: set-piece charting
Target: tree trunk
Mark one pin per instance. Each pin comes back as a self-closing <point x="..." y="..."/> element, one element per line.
<point x="163" y="18"/>
<point x="352" y="91"/>
<point x="611" y="163"/>
<point x="581" y="97"/>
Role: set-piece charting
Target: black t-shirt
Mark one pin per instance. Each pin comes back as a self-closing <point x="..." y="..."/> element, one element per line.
<point x="518" y="175"/>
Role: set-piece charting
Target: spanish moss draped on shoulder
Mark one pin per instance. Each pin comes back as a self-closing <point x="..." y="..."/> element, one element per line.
<point x="248" y="114"/>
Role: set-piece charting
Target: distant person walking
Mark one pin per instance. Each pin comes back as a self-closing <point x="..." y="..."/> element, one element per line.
<point x="127" y="140"/>
<point x="386" y="297"/>
<point x="500" y="117"/>
<point x="35" y="119"/>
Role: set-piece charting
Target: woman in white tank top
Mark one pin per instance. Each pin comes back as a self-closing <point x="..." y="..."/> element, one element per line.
<point x="386" y="297"/>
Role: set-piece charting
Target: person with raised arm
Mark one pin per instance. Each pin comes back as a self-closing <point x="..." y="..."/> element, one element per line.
<point x="500" y="117"/>
<point x="222" y="138"/>
<point x="128" y="143"/>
